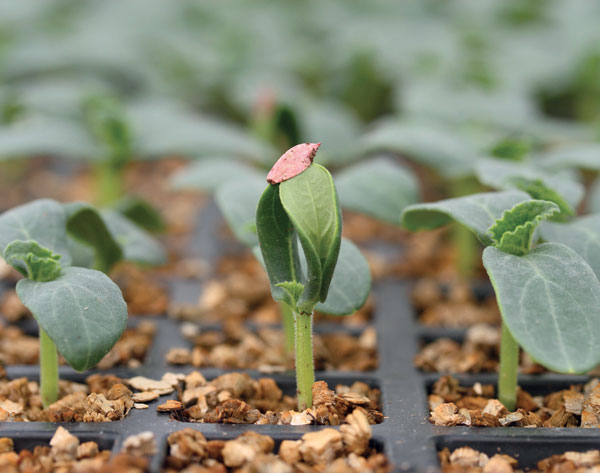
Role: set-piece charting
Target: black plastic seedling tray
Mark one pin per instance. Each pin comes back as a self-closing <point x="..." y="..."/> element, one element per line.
<point x="406" y="436"/>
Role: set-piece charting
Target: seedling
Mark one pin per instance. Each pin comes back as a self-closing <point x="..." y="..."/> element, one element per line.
<point x="80" y="312"/>
<point x="547" y="294"/>
<point x="301" y="204"/>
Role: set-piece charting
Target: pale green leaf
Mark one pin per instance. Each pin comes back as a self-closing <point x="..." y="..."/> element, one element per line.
<point x="351" y="282"/>
<point x="43" y="220"/>
<point x="137" y="244"/>
<point x="378" y="187"/>
<point x="237" y="200"/>
<point x="576" y="157"/>
<point x="581" y="234"/>
<point x="478" y="212"/>
<point x="82" y="311"/>
<point x="141" y="212"/>
<point x="209" y="174"/>
<point x="501" y="174"/>
<point x="433" y="147"/>
<point x="549" y="300"/>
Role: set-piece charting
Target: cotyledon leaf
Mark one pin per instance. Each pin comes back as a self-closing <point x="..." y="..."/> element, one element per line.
<point x="209" y="174"/>
<point x="351" y="282"/>
<point x="137" y="244"/>
<point x="82" y="311"/>
<point x="378" y="187"/>
<point x="278" y="244"/>
<point x="550" y="301"/>
<point x="581" y="234"/>
<point x="502" y="174"/>
<point x="478" y="212"/>
<point x="237" y="200"/>
<point x="43" y="221"/>
<point x="581" y="157"/>
<point x="310" y="200"/>
<point x="86" y="225"/>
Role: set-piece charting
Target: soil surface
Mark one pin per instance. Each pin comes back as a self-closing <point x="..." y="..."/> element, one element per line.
<point x="103" y="398"/>
<point x="453" y="304"/>
<point x="334" y="451"/>
<point x="478" y="353"/>
<point x="241" y="292"/>
<point x="468" y="460"/>
<point x="236" y="398"/>
<point x="451" y="404"/>
<point x="18" y="348"/>
<point x="237" y="347"/>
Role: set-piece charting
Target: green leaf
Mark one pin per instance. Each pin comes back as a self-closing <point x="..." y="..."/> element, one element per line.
<point x="502" y="174"/>
<point x="581" y="234"/>
<point x="86" y="225"/>
<point x="549" y="299"/>
<point x="351" y="282"/>
<point x="210" y="174"/>
<point x="237" y="200"/>
<point x="52" y="137"/>
<point x="278" y="244"/>
<point x="580" y="157"/>
<point x="478" y="212"/>
<point x="513" y="232"/>
<point x="137" y="244"/>
<point x="378" y="187"/>
<point x="293" y="290"/>
<point x="433" y="147"/>
<point x="82" y="311"/>
<point x="43" y="220"/>
<point x="539" y="191"/>
<point x="142" y="213"/>
<point x="310" y="200"/>
<point x="32" y="260"/>
<point x="594" y="200"/>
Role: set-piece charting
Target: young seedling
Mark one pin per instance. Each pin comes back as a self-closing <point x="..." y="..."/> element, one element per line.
<point x="301" y="204"/>
<point x="548" y="295"/>
<point x="80" y="312"/>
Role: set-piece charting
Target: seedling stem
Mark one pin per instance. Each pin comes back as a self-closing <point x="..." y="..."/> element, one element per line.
<point x="48" y="369"/>
<point x="509" y="365"/>
<point x="305" y="371"/>
<point x="287" y="317"/>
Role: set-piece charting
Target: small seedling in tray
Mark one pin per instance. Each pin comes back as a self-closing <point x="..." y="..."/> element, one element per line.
<point x="80" y="311"/>
<point x="300" y="204"/>
<point x="549" y="297"/>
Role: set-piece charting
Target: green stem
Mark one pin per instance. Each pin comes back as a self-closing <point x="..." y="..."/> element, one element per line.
<point x="108" y="183"/>
<point x="305" y="368"/>
<point x="48" y="369"/>
<point x="287" y="317"/>
<point x="509" y="366"/>
<point x="465" y="242"/>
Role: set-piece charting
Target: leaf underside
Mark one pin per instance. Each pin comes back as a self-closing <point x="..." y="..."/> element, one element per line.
<point x="549" y="300"/>
<point x="82" y="311"/>
<point x="513" y="232"/>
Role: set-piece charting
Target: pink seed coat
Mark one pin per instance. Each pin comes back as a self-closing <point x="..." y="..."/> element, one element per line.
<point x="293" y="162"/>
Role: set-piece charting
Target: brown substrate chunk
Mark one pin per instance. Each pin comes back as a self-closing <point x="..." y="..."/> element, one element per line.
<point x="241" y="292"/>
<point x="17" y="348"/>
<point x="236" y="398"/>
<point x="337" y="451"/>
<point x="236" y="347"/>
<point x="468" y="460"/>
<point x="478" y="353"/>
<point x="454" y="306"/>
<point x="66" y="454"/>
<point x="105" y="398"/>
<point x="452" y="404"/>
<point x="143" y="294"/>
